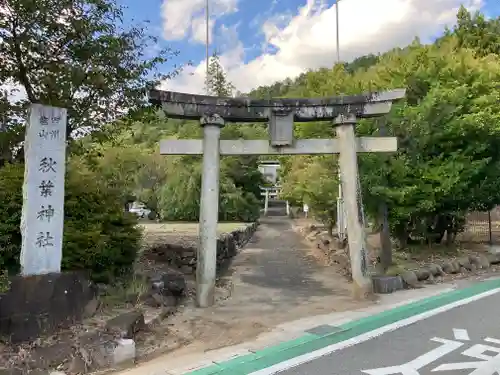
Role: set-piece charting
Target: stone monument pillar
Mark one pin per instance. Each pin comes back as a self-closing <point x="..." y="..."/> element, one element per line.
<point x="43" y="190"/>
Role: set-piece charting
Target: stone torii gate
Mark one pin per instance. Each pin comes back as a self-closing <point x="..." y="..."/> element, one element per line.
<point x="214" y="112"/>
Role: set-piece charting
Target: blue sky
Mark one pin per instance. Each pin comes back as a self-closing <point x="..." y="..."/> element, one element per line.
<point x="261" y="41"/>
<point x="247" y="18"/>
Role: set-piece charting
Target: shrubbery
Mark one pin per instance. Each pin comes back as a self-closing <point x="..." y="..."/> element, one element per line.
<point x="98" y="235"/>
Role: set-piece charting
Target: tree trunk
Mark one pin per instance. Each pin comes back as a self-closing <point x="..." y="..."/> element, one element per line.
<point x="385" y="253"/>
<point x="437" y="233"/>
<point x="330" y="228"/>
<point x="401" y="233"/>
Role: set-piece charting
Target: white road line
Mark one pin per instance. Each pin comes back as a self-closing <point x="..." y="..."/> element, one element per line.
<point x="494" y="341"/>
<point x="308" y="357"/>
<point x="461" y="334"/>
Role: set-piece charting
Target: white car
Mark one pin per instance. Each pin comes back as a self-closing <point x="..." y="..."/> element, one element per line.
<point x="141" y="212"/>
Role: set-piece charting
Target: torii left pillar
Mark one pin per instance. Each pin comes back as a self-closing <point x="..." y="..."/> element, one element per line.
<point x="209" y="203"/>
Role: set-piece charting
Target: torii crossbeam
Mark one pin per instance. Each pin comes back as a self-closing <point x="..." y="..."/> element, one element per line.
<point x="214" y="112"/>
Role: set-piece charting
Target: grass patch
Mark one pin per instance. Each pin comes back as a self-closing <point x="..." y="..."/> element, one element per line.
<point x="180" y="233"/>
<point x="189" y="227"/>
<point x="125" y="292"/>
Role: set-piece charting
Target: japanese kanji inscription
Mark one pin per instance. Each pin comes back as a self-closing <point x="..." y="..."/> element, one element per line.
<point x="43" y="206"/>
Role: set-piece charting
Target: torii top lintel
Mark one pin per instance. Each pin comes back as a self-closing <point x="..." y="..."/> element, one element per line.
<point x="190" y="106"/>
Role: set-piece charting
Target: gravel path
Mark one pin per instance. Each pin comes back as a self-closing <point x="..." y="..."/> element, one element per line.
<point x="274" y="279"/>
<point x="278" y="262"/>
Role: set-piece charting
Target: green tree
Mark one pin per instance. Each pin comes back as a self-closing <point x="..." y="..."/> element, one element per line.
<point x="180" y="197"/>
<point x="136" y="172"/>
<point x="217" y="81"/>
<point x="244" y="170"/>
<point x="79" y="55"/>
<point x="11" y="127"/>
<point x="363" y="62"/>
<point x="313" y="180"/>
<point x="447" y="161"/>
<point x="448" y="152"/>
<point x="131" y="163"/>
<point x="477" y="32"/>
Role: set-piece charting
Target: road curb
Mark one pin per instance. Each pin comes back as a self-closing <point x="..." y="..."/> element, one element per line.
<point x="309" y="342"/>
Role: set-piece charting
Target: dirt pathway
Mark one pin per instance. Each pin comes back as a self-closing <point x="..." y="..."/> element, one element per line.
<point x="274" y="279"/>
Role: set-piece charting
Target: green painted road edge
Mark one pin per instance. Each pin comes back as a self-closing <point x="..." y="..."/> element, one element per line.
<point x="270" y="356"/>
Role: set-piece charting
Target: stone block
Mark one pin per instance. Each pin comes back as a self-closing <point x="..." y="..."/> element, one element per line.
<point x="436" y="270"/>
<point x="50" y="356"/>
<point x="127" y="324"/>
<point x="43" y="304"/>
<point x="169" y="283"/>
<point x="423" y="274"/>
<point x="124" y="352"/>
<point x="387" y="284"/>
<point x="494" y="258"/>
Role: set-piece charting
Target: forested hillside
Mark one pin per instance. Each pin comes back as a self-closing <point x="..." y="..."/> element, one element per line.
<point x="448" y="128"/>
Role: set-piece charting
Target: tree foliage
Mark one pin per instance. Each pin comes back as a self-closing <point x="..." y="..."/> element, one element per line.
<point x="75" y="54"/>
<point x="169" y="185"/>
<point x="83" y="56"/>
<point x="217" y="81"/>
<point x="476" y="32"/>
<point x="448" y="129"/>
<point x="180" y="198"/>
<point x="313" y="181"/>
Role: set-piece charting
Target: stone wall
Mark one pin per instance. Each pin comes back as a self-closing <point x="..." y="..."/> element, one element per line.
<point x="183" y="257"/>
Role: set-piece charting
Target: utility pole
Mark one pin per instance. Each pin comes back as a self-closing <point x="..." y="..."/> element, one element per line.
<point x="340" y="199"/>
<point x="337" y="27"/>
<point x="207" y="45"/>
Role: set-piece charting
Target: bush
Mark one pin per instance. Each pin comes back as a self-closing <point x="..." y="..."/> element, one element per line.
<point x="152" y="215"/>
<point x="99" y="236"/>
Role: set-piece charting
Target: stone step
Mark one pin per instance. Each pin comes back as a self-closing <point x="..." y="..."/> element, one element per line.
<point x="276" y="203"/>
<point x="276" y="211"/>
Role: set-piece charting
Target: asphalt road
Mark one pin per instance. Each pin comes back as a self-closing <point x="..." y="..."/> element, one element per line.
<point x="462" y="341"/>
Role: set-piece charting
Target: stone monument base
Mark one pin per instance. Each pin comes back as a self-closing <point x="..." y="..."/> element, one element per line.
<point x="42" y="305"/>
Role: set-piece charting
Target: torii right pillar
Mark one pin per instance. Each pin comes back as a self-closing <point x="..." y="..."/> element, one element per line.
<point x="353" y="205"/>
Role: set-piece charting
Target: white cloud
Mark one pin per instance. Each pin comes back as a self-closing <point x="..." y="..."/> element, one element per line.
<point x="307" y="40"/>
<point x="199" y="29"/>
<point x="182" y="18"/>
<point x="227" y="37"/>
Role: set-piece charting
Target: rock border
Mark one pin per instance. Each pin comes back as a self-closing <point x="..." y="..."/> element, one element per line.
<point x="434" y="272"/>
<point x="431" y="273"/>
<point x="184" y="258"/>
